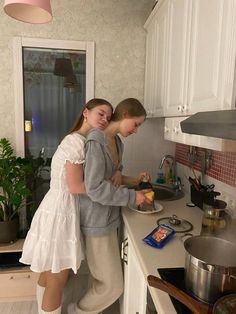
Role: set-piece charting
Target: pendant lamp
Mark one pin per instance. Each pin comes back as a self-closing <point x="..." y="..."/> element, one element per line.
<point x="29" y="11"/>
<point x="63" y="67"/>
<point x="72" y="84"/>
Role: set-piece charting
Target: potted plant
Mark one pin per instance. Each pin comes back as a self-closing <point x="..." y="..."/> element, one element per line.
<point x="15" y="173"/>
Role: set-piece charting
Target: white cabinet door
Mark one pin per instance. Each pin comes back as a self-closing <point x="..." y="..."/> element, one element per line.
<point x="135" y="286"/>
<point x="209" y="46"/>
<point x="156" y="48"/>
<point x="172" y="132"/>
<point x="201" y="56"/>
<point x="178" y="56"/>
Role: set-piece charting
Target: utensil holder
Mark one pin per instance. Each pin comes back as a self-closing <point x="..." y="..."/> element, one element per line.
<point x="199" y="197"/>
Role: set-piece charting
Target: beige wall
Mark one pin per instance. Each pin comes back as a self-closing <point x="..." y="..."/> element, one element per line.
<point x="116" y="27"/>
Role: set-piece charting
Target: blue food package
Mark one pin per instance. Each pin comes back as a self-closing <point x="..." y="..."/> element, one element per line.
<point x="159" y="236"/>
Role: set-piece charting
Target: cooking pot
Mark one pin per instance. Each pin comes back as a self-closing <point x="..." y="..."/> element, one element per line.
<point x="210" y="267"/>
<point x="226" y="304"/>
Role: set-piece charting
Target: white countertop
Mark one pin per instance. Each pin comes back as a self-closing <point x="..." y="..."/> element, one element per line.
<point x="171" y="255"/>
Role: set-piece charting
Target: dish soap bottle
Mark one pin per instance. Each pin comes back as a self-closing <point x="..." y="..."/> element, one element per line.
<point x="160" y="176"/>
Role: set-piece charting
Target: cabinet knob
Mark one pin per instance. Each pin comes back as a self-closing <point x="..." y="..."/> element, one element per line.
<point x="166" y="129"/>
<point x="180" y="108"/>
<point x="176" y="130"/>
<point x="185" y="108"/>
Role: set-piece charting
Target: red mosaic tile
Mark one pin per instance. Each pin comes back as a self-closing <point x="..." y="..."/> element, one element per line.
<point x="223" y="167"/>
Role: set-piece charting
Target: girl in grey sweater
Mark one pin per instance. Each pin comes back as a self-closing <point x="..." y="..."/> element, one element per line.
<point x="100" y="208"/>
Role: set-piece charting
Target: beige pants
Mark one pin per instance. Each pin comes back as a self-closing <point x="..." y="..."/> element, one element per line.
<point x="103" y="257"/>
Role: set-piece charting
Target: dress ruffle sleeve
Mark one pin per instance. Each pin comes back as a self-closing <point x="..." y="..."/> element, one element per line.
<point x="73" y="148"/>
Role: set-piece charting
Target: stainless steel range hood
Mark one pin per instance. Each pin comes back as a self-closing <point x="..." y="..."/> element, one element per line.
<point x="220" y="124"/>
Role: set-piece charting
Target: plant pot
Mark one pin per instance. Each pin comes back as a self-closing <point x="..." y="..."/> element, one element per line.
<point x="9" y="230"/>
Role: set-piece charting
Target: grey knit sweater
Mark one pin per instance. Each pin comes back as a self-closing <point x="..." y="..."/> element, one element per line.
<point x="100" y="208"/>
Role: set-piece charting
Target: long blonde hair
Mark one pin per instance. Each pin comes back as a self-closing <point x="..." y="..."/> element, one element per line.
<point x="132" y="107"/>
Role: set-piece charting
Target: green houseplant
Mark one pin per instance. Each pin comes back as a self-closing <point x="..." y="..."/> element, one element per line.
<point x="17" y="177"/>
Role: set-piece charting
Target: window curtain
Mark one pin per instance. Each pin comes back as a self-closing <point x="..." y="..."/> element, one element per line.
<point x="52" y="110"/>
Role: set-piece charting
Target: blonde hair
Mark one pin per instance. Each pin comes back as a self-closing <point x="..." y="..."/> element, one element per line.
<point x="130" y="107"/>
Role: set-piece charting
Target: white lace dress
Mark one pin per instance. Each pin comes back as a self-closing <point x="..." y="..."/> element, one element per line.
<point x="54" y="240"/>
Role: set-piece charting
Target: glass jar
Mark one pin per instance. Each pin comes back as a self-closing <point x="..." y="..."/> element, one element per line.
<point x="215" y="219"/>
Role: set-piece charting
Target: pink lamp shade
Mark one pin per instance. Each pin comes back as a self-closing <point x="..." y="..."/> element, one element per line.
<point x="29" y="11"/>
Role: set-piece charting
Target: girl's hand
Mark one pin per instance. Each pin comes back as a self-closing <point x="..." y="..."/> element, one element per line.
<point x="116" y="179"/>
<point x="141" y="176"/>
<point x="140" y="197"/>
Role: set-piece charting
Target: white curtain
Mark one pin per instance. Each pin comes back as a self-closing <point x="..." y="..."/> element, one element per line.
<point x="52" y="110"/>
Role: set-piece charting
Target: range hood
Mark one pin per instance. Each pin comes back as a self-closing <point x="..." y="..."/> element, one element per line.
<point x="220" y="124"/>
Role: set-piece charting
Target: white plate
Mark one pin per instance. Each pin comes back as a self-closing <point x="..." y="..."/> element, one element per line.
<point x="157" y="209"/>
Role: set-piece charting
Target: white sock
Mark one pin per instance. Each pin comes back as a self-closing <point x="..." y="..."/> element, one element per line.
<point x="39" y="296"/>
<point x="71" y="308"/>
<point x="57" y="311"/>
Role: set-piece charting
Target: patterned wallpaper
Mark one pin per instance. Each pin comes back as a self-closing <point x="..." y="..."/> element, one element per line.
<point x="116" y="27"/>
<point x="223" y="165"/>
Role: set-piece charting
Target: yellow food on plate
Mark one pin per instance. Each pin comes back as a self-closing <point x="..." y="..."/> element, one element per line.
<point x="150" y="195"/>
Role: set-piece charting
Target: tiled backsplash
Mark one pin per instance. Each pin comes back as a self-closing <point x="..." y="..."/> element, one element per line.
<point x="223" y="165"/>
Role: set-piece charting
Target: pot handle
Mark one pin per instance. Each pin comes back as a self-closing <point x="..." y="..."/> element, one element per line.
<point x="185" y="235"/>
<point x="208" y="267"/>
<point x="194" y="305"/>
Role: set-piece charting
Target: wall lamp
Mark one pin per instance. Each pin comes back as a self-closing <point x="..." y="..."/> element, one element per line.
<point x="29" y="11"/>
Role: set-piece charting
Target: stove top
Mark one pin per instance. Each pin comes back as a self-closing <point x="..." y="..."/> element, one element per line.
<point x="175" y="276"/>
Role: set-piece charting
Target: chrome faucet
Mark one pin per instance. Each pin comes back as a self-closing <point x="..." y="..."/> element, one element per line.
<point x="176" y="179"/>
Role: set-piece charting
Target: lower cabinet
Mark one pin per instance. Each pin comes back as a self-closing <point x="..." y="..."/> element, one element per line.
<point x="19" y="285"/>
<point x="135" y="287"/>
<point x="16" y="283"/>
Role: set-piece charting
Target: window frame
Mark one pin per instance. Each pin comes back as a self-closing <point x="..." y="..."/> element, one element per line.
<point x="18" y="44"/>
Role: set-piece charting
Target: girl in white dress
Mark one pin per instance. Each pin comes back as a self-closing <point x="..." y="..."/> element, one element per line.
<point x="53" y="244"/>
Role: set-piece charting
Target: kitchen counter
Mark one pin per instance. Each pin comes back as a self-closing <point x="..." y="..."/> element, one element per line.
<point x="171" y="255"/>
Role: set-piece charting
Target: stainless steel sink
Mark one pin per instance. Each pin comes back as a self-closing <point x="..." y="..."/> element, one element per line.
<point x="166" y="193"/>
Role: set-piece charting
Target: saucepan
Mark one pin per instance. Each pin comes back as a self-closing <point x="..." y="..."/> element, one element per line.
<point x="224" y="305"/>
<point x="210" y="267"/>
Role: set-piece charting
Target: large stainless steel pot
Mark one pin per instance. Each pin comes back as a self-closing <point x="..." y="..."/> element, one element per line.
<point x="210" y="267"/>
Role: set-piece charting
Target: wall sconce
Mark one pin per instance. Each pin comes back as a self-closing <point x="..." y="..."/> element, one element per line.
<point x="28" y="126"/>
<point x="29" y="11"/>
<point x="63" y="67"/>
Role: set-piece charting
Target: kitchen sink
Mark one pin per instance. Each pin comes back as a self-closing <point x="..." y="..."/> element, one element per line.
<point x="166" y="193"/>
<point x="163" y="192"/>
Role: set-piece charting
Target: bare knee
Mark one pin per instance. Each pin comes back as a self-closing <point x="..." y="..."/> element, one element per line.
<point x="55" y="283"/>
<point x="57" y="279"/>
<point x="42" y="280"/>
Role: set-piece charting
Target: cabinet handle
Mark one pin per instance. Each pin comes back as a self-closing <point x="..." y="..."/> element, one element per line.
<point x="20" y="277"/>
<point x="124" y="244"/>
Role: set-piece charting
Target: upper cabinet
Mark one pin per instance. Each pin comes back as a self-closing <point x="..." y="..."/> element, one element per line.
<point x="156" y="57"/>
<point x="190" y="57"/>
